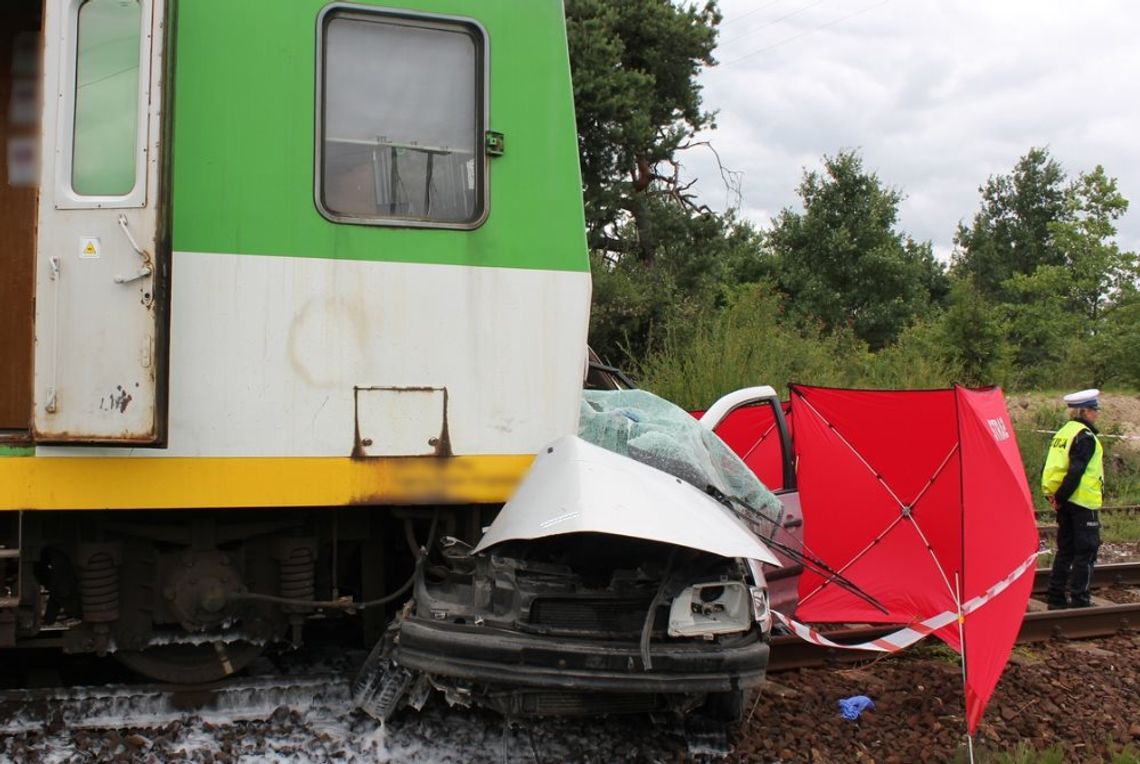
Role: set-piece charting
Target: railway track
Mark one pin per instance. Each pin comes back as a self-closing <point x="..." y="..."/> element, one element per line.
<point x="76" y="693"/>
<point x="154" y="705"/>
<point x="1104" y="619"/>
<point x="326" y="691"/>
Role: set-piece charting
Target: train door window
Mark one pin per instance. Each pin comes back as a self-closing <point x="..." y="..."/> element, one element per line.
<point x="104" y="155"/>
<point x="401" y="119"/>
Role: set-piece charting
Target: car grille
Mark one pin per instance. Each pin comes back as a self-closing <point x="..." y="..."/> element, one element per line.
<point x="590" y="614"/>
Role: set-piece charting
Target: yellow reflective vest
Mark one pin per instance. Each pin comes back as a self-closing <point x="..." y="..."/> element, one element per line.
<point x="1090" y="489"/>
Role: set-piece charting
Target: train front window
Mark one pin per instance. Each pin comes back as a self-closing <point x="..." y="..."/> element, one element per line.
<point x="401" y="120"/>
<point x="106" y="98"/>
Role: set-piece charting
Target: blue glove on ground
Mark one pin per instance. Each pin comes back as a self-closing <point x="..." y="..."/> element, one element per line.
<point x="855" y="705"/>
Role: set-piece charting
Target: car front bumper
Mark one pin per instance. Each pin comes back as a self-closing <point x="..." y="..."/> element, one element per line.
<point x="499" y="657"/>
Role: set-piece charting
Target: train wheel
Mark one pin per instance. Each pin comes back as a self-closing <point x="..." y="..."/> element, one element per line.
<point x="189" y="663"/>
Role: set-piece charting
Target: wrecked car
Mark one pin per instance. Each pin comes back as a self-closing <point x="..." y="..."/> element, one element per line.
<point x="623" y="576"/>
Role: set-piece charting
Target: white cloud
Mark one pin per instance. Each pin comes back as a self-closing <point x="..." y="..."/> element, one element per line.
<point x="937" y="95"/>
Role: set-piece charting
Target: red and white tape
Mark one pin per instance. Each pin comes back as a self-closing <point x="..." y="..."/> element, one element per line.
<point x="915" y="632"/>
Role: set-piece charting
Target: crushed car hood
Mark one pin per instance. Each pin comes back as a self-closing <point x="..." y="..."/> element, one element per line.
<point x="576" y="487"/>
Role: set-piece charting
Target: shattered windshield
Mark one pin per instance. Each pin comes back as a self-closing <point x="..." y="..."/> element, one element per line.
<point x="650" y="429"/>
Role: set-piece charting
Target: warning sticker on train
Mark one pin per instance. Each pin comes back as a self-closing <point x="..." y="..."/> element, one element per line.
<point x="88" y="247"/>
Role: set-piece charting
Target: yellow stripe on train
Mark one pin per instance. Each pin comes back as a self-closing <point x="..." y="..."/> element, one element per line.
<point x="61" y="483"/>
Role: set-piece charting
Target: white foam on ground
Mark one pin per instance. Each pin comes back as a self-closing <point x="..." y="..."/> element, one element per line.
<point x="312" y="733"/>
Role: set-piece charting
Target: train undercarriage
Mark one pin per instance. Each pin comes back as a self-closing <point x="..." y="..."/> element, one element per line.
<point x="195" y="596"/>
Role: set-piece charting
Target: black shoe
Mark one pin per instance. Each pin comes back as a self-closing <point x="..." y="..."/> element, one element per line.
<point x="1058" y="606"/>
<point x="1081" y="603"/>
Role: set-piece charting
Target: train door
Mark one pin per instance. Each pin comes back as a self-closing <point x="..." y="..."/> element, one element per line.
<point x="102" y="254"/>
<point x="19" y="178"/>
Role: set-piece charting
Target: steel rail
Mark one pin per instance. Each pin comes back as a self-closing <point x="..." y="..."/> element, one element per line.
<point x="1079" y="623"/>
<point x="1116" y="574"/>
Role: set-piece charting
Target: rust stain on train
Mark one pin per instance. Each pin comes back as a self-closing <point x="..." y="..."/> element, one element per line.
<point x="440" y="444"/>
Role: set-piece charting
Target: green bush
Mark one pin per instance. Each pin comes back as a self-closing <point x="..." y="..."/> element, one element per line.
<point x="745" y="344"/>
<point x="916" y="361"/>
<point x="1033" y="436"/>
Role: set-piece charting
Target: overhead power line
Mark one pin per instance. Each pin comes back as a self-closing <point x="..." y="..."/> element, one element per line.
<point x="788" y="15"/>
<point x="766" y="24"/>
<point x="745" y="15"/>
<point x="806" y="33"/>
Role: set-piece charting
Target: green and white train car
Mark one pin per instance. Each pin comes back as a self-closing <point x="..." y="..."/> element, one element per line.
<point x="283" y="280"/>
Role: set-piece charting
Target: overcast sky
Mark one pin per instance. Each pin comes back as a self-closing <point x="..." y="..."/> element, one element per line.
<point x="937" y="95"/>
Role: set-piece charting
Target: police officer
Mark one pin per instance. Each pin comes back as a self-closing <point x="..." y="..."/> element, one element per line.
<point x="1073" y="480"/>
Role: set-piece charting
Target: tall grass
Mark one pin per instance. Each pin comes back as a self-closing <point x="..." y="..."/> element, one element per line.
<point x="1119" y="527"/>
<point x="750" y="342"/>
<point x="1121" y="470"/>
<point x="1034" y="431"/>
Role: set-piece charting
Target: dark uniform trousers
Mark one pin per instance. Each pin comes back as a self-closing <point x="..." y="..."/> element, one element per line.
<point x="1078" y="539"/>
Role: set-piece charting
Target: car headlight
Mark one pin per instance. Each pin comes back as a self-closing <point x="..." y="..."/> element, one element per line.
<point x="705" y="610"/>
<point x="760" y="611"/>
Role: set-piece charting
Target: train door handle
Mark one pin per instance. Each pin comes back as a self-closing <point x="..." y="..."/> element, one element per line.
<point x="145" y="269"/>
<point x="142" y="273"/>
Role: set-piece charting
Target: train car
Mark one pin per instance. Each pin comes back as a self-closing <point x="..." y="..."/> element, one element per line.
<point x="287" y="285"/>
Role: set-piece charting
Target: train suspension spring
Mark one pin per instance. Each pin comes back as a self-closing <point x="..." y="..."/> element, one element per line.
<point x="298" y="574"/>
<point x="99" y="588"/>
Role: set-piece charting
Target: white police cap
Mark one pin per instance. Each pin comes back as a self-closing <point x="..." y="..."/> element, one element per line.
<point x="1083" y="399"/>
